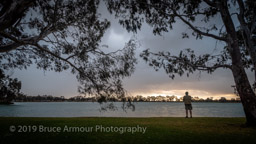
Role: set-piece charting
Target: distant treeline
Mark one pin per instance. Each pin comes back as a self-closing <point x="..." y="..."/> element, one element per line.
<point x="138" y="98"/>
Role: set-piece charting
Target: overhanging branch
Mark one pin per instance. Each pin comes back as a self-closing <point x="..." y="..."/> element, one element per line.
<point x="24" y="41"/>
<point x="203" y="66"/>
<point x="70" y="63"/>
<point x="199" y="31"/>
<point x="187" y="22"/>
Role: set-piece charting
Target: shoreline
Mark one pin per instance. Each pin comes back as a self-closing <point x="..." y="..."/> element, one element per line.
<point x="133" y="102"/>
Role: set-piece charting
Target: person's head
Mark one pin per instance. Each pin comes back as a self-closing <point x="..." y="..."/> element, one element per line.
<point x="186" y="93"/>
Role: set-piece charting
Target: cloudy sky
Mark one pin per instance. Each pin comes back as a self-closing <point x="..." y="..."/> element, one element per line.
<point x="145" y="80"/>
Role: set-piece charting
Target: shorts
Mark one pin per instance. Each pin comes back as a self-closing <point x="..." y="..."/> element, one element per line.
<point x="188" y="107"/>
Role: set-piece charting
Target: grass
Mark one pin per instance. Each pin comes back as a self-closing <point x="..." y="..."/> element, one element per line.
<point x="159" y="130"/>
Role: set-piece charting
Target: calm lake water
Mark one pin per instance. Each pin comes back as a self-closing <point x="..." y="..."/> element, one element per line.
<point x="142" y="109"/>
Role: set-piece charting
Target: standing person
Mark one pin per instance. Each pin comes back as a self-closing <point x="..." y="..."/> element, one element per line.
<point x="188" y="106"/>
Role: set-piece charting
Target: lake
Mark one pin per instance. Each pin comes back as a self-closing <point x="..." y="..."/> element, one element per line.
<point x="142" y="109"/>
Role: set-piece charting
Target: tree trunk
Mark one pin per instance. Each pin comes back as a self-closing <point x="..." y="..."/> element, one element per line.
<point x="243" y="86"/>
<point x="246" y="94"/>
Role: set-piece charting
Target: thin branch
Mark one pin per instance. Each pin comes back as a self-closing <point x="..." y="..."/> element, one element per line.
<point x="70" y="57"/>
<point x="64" y="37"/>
<point x="203" y="67"/>
<point x="241" y="14"/>
<point x="253" y="26"/>
<point x="201" y="32"/>
<point x="211" y="3"/>
<point x="55" y="55"/>
<point x="55" y="37"/>
<point x="71" y="64"/>
<point x="188" y="23"/>
<point x="207" y="68"/>
<point x="49" y="41"/>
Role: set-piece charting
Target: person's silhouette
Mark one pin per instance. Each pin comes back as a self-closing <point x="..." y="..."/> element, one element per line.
<point x="188" y="106"/>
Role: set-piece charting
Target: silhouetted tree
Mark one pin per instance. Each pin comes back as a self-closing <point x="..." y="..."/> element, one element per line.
<point x="222" y="99"/>
<point x="9" y="88"/>
<point x="59" y="35"/>
<point x="238" y="20"/>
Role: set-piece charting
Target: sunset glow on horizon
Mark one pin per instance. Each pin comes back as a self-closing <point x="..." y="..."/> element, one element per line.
<point x="181" y="93"/>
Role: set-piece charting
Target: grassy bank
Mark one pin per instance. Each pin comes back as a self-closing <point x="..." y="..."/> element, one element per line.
<point x="158" y="130"/>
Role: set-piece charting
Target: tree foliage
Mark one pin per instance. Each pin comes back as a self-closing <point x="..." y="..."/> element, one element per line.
<point x="59" y="35"/>
<point x="9" y="88"/>
<point x="186" y="62"/>
<point x="162" y="15"/>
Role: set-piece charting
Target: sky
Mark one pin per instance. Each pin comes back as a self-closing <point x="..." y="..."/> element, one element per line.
<point x="145" y="80"/>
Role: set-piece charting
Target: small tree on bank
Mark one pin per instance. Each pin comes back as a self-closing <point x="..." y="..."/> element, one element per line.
<point x="60" y="35"/>
<point x="238" y="54"/>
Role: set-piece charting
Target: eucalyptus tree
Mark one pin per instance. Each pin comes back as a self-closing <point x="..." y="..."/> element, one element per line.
<point x="236" y="29"/>
<point x="60" y="35"/>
